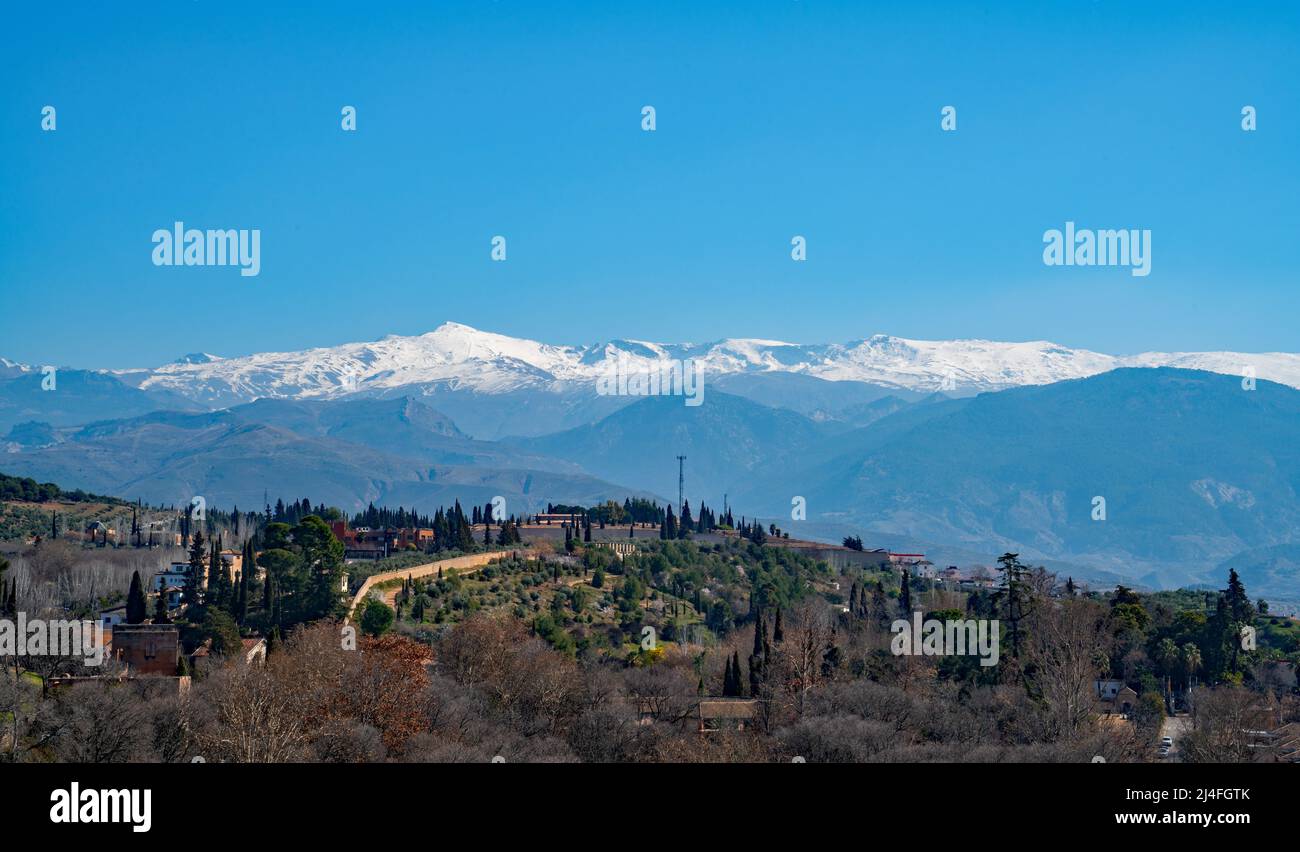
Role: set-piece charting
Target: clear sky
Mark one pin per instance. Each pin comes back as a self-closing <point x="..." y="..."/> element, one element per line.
<point x="524" y="119"/>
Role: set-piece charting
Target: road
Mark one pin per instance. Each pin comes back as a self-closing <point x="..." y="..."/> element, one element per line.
<point x="1175" y="727"/>
<point x="464" y="564"/>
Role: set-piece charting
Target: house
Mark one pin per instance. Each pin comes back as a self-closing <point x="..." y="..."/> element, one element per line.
<point x="233" y="562"/>
<point x="100" y="534"/>
<point x="147" y="649"/>
<point x="1115" y="696"/>
<point x="730" y="714"/>
<point x="367" y="543"/>
<point x="254" y="649"/>
<point x="175" y="574"/>
<point x="113" y="616"/>
<point x="906" y="559"/>
<point x="924" y="568"/>
<point x="173" y="595"/>
<point x="1106" y="690"/>
<point x="548" y="518"/>
<point x="1281" y="744"/>
<point x="251" y="650"/>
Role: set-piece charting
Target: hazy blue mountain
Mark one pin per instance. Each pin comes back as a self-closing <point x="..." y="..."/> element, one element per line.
<point x="228" y="457"/>
<point x="33" y="433"/>
<point x="727" y="440"/>
<point x="79" y="396"/>
<point x="401" y="426"/>
<point x="1193" y="468"/>
<point x="524" y="412"/>
<point x="849" y="402"/>
<point x="1268" y="568"/>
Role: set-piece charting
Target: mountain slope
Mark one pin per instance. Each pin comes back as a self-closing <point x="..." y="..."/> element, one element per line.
<point x="727" y="440"/>
<point x="76" y="396"/>
<point x="1193" y="469"/>
<point x="227" y="458"/>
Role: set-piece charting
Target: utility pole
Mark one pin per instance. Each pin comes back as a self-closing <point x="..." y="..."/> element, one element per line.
<point x="681" y="484"/>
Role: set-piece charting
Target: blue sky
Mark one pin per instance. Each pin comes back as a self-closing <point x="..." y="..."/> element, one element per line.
<point x="774" y="119"/>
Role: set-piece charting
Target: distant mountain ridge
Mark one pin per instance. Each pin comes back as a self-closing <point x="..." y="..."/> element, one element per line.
<point x="346" y="453"/>
<point x="458" y="357"/>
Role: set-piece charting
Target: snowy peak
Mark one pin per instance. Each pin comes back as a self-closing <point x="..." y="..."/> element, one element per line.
<point x="197" y="358"/>
<point x="458" y="356"/>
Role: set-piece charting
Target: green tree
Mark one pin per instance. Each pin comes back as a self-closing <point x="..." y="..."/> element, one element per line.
<point x="321" y="560"/>
<point x="160" y="615"/>
<point x="218" y="626"/>
<point x="136" y="607"/>
<point x="192" y="595"/>
<point x="1012" y="598"/>
<point x="377" y="618"/>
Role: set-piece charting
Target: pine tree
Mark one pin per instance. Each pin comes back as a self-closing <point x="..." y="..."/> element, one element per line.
<point x="1012" y="598"/>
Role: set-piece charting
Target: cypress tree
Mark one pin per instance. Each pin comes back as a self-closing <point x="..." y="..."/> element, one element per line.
<point x="136" y="607"/>
<point x="194" y="576"/>
<point x="160" y="608"/>
<point x="777" y="633"/>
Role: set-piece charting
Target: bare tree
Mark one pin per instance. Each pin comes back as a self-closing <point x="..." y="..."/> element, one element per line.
<point x="1067" y="644"/>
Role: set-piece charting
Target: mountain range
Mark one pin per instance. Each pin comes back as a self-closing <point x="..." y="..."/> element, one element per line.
<point x="455" y="357"/>
<point x="954" y="447"/>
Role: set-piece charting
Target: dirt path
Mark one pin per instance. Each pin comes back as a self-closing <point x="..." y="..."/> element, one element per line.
<point x="464" y="564"/>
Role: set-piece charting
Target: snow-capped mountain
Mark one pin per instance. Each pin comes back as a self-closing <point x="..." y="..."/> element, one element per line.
<point x="12" y="368"/>
<point x="458" y="357"/>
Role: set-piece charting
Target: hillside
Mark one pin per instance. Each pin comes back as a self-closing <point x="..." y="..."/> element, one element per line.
<point x="727" y="440"/>
<point x="228" y="457"/>
<point x="1193" y="470"/>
